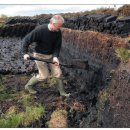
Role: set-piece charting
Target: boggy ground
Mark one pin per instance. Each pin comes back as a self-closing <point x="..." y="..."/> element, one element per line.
<point x="100" y="96"/>
<point x="13" y="99"/>
<point x="14" y="75"/>
<point x="112" y="107"/>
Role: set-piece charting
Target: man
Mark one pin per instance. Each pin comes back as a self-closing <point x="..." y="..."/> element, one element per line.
<point x="48" y="41"/>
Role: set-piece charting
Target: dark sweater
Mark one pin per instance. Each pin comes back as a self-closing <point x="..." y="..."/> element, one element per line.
<point x="47" y="42"/>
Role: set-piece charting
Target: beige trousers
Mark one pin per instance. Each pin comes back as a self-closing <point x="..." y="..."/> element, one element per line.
<point x="43" y="70"/>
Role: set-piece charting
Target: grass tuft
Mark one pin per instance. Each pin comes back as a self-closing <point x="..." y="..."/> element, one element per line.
<point x="13" y="120"/>
<point x="123" y="53"/>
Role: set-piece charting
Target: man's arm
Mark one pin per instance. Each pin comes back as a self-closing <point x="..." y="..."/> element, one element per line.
<point x="58" y="46"/>
<point x="57" y="50"/>
<point x="29" y="39"/>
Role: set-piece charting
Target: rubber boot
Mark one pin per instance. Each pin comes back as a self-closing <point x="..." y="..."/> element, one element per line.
<point x="31" y="82"/>
<point x="61" y="89"/>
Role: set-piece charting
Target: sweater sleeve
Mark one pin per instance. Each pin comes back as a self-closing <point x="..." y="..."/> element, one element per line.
<point x="58" y="45"/>
<point x="29" y="39"/>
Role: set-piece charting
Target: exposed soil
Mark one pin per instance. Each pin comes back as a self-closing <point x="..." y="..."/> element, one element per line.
<point x="98" y="96"/>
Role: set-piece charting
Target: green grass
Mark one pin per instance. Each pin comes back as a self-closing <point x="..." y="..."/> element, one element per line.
<point x="30" y="115"/>
<point x="27" y="113"/>
<point x="51" y="81"/>
<point x="103" y="96"/>
<point x="12" y="121"/>
<point x="26" y="100"/>
<point x="1" y="88"/>
<point x="6" y="94"/>
<point x="123" y="53"/>
<point x="3" y="94"/>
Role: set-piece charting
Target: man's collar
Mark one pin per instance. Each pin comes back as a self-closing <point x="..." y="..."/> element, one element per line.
<point x="50" y="29"/>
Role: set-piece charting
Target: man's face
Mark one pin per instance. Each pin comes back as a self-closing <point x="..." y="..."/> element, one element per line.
<point x="57" y="26"/>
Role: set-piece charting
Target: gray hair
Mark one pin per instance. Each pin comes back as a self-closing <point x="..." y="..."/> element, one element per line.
<point x="57" y="19"/>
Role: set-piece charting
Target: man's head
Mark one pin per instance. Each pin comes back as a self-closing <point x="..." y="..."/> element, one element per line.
<point x="56" y="22"/>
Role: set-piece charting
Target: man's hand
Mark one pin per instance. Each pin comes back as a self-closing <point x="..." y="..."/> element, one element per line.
<point x="56" y="60"/>
<point x="26" y="57"/>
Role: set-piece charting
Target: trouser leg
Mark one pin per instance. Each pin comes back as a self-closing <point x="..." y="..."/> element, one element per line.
<point x="43" y="71"/>
<point x="57" y="73"/>
<point x="42" y="75"/>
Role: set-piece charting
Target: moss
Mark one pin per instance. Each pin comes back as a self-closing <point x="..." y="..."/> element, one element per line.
<point x="123" y="53"/>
